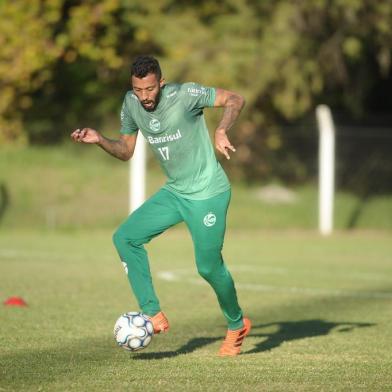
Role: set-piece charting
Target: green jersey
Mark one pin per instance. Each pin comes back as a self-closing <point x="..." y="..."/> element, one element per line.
<point x="178" y="136"/>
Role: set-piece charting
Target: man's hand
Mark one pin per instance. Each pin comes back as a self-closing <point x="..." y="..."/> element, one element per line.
<point x="222" y="143"/>
<point x="86" y="135"/>
<point x="123" y="148"/>
<point x="232" y="104"/>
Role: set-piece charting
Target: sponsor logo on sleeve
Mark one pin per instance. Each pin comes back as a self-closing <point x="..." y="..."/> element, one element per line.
<point x="195" y="92"/>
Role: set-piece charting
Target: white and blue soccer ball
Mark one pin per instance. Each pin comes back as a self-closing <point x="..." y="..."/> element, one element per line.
<point x="133" y="331"/>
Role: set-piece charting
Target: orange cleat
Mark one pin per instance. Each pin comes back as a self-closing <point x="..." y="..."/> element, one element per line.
<point x="231" y="346"/>
<point x="160" y="322"/>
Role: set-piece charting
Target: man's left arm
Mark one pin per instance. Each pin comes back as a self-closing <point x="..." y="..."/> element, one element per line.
<point x="232" y="104"/>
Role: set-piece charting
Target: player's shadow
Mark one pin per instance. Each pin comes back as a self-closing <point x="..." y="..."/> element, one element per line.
<point x="187" y="348"/>
<point x="284" y="331"/>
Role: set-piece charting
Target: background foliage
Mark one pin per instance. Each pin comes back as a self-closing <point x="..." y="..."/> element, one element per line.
<point x="65" y="64"/>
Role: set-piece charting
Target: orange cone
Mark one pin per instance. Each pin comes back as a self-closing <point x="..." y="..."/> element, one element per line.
<point x="15" y="301"/>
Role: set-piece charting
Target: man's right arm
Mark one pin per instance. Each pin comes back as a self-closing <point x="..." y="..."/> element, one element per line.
<point x="123" y="148"/>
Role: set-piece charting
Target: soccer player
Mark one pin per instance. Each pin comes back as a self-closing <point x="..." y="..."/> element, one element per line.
<point x="197" y="191"/>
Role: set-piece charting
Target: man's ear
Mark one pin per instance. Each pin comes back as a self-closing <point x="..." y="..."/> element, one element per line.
<point x="161" y="82"/>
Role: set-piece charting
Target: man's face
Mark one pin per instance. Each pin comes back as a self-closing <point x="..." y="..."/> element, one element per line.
<point x="147" y="90"/>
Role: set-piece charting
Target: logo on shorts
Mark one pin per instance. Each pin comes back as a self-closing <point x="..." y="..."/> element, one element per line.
<point x="125" y="267"/>
<point x="210" y="219"/>
<point x="155" y="125"/>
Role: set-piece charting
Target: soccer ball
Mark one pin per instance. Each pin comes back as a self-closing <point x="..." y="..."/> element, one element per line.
<point x="133" y="331"/>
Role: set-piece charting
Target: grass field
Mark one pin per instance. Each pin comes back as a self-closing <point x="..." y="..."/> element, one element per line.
<point x="321" y="310"/>
<point x="80" y="187"/>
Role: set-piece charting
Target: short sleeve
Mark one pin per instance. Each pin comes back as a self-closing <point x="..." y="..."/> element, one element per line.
<point x="197" y="97"/>
<point x="128" y="124"/>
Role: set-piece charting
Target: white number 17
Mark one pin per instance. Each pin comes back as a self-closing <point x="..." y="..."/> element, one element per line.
<point x="164" y="152"/>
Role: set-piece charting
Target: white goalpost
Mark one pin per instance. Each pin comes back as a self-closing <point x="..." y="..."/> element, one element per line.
<point x="137" y="172"/>
<point x="137" y="175"/>
<point x="326" y="168"/>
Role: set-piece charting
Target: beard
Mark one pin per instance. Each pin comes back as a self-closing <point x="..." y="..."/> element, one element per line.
<point x="150" y="104"/>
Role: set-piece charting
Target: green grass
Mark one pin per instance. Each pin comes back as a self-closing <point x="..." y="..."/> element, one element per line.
<point x="321" y="309"/>
<point x="80" y="187"/>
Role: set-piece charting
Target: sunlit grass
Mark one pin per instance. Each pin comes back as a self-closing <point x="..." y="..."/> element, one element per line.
<point x="320" y="309"/>
<point x="73" y="187"/>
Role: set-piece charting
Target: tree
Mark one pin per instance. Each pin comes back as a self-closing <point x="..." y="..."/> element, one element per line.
<point x="66" y="61"/>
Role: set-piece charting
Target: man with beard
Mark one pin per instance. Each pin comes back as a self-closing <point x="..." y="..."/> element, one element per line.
<point x="197" y="191"/>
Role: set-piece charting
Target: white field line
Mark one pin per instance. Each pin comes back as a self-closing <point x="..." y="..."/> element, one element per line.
<point x="314" y="272"/>
<point x="187" y="276"/>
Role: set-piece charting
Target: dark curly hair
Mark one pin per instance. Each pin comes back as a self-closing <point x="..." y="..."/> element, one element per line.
<point x="144" y="65"/>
